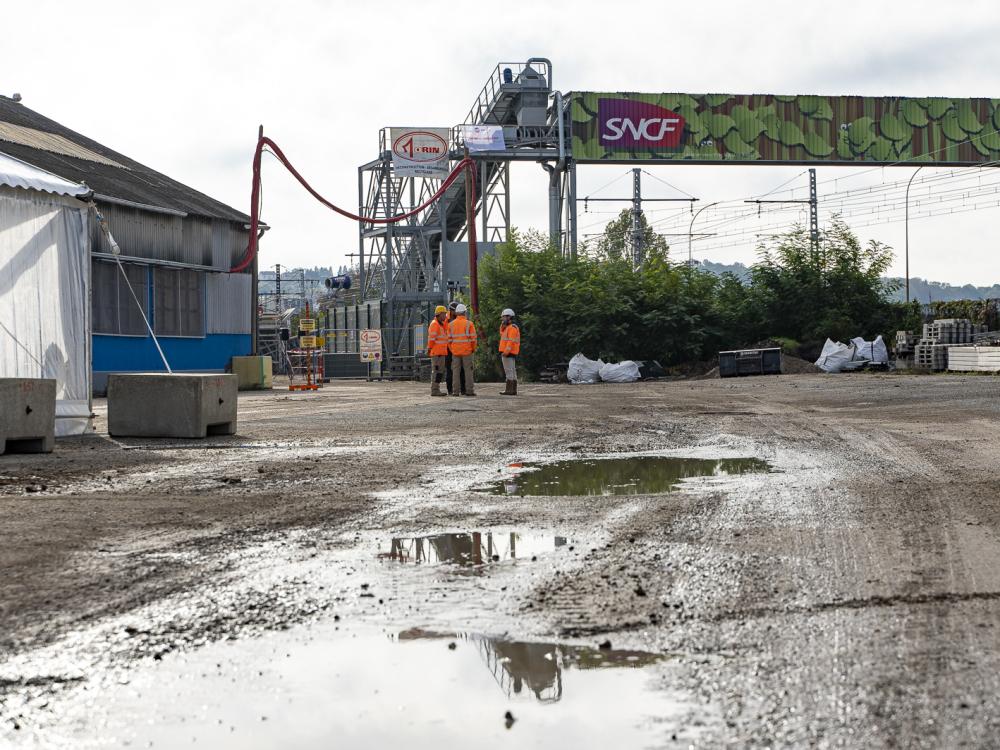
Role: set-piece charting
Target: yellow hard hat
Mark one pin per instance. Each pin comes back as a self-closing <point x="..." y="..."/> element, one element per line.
<point x="440" y="309"/>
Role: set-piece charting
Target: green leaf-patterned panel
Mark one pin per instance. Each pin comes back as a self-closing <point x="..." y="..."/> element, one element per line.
<point x="626" y="126"/>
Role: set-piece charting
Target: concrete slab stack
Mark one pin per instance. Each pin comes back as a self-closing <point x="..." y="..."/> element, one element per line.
<point x="974" y="359"/>
<point x="174" y="406"/>
<point x="27" y="415"/>
<point x="944" y="334"/>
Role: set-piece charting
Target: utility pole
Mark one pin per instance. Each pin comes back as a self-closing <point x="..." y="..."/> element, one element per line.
<point x="813" y="202"/>
<point x="636" y="233"/>
<point x="277" y="288"/>
<point x="637" y="218"/>
<point x="906" y="225"/>
<point x="690" y="234"/>
<point x="814" y="216"/>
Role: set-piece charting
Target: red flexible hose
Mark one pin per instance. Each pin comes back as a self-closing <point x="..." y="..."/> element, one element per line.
<point x="466" y="165"/>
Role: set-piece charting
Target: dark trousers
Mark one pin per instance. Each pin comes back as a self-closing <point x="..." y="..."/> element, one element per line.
<point x="448" y="376"/>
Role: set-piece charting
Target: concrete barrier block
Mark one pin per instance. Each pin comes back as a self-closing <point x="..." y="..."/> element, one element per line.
<point x="171" y="406"/>
<point x="27" y="415"/>
<point x="254" y="373"/>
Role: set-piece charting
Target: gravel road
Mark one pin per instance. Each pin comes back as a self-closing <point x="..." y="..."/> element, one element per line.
<point x="849" y="597"/>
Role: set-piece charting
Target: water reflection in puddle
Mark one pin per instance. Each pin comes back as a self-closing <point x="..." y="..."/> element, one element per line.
<point x="535" y="670"/>
<point x="319" y="689"/>
<point x="472" y="548"/>
<point x="636" y="475"/>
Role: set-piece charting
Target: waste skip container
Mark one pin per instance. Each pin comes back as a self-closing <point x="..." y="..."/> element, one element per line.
<point x="749" y="362"/>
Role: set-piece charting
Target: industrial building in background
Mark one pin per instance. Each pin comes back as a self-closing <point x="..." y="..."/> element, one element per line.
<point x="176" y="246"/>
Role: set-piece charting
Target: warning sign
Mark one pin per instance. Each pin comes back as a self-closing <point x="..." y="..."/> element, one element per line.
<point x="307" y="342"/>
<point x="371" y="345"/>
<point x="307" y="324"/>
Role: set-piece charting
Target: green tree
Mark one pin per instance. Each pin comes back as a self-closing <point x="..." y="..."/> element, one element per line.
<point x="596" y="305"/>
<point x="601" y="306"/>
<point x="616" y="242"/>
<point x="838" y="292"/>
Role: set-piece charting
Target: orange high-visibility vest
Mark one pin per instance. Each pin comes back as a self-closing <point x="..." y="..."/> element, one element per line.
<point x="510" y="340"/>
<point x="463" y="336"/>
<point x="437" y="339"/>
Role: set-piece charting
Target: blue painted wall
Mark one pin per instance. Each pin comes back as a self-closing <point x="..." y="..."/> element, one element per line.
<point x="138" y="353"/>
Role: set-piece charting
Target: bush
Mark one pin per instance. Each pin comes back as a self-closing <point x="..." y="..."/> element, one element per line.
<point x="599" y="305"/>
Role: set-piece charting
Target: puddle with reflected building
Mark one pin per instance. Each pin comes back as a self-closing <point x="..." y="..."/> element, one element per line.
<point x="636" y="475"/>
<point x="471" y="548"/>
<point x="318" y="688"/>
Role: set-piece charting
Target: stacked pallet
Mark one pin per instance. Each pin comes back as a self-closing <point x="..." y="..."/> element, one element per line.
<point x="930" y="356"/>
<point x="950" y="331"/>
<point x="932" y="350"/>
<point x="974" y="359"/>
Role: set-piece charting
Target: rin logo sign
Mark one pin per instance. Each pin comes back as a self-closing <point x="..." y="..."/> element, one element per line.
<point x="625" y="123"/>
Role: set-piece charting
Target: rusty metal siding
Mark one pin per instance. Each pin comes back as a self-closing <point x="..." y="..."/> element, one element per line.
<point x="189" y="240"/>
<point x="228" y="302"/>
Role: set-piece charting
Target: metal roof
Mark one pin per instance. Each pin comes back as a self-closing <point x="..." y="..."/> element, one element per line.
<point x="18" y="174"/>
<point x="39" y="139"/>
<point x="43" y="143"/>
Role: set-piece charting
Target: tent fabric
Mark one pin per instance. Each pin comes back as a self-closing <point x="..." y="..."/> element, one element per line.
<point x="18" y="174"/>
<point x="44" y="299"/>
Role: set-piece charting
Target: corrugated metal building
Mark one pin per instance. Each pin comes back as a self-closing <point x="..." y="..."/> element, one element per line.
<point x="177" y="246"/>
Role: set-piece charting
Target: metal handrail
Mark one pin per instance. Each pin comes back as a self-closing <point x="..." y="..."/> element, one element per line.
<point x="494" y="85"/>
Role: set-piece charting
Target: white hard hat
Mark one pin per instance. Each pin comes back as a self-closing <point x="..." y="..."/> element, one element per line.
<point x="507" y="311"/>
<point x="460" y="309"/>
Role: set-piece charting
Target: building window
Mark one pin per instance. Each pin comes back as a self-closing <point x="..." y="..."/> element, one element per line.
<point x="114" y="308"/>
<point x="179" y="302"/>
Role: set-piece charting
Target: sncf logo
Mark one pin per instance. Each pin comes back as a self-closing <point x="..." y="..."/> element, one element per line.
<point x="629" y="124"/>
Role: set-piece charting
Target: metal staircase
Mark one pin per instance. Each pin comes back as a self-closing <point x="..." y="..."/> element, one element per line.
<point x="404" y="264"/>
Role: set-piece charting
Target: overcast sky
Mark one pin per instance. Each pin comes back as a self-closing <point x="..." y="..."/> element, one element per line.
<point x="182" y="87"/>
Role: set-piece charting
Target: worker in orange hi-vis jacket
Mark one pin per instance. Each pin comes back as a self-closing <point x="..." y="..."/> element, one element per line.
<point x="462" y="337"/>
<point x="437" y="347"/>
<point x="510" y="347"/>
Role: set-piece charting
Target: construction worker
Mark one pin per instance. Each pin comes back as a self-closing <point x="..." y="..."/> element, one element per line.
<point x="447" y="362"/>
<point x="510" y="347"/>
<point x="462" y="335"/>
<point x="437" y="347"/>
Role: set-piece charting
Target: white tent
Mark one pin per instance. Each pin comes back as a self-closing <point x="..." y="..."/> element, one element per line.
<point x="45" y="286"/>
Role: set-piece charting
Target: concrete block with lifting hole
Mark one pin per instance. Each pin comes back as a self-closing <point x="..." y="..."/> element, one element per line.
<point x="171" y="405"/>
<point x="27" y="415"/>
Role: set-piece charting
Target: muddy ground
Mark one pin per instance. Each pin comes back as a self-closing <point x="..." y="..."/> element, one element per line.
<point x="849" y="597"/>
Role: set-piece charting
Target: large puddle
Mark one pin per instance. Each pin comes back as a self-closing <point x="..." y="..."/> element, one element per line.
<point x="636" y="475"/>
<point x="415" y="689"/>
<point x="471" y="548"/>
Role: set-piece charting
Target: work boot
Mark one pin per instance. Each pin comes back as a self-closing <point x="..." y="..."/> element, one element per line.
<point x="471" y="394"/>
<point x="513" y="388"/>
<point x="436" y="391"/>
<point x="507" y="390"/>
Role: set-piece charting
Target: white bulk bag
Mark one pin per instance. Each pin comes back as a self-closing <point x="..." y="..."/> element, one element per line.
<point x="583" y="370"/>
<point x="623" y="372"/>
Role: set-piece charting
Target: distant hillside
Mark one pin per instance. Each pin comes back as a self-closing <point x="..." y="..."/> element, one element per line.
<point x="920" y="289"/>
<point x="935" y="291"/>
<point x="739" y="270"/>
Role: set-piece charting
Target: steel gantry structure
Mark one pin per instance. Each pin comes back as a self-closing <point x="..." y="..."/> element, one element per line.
<point x="409" y="265"/>
<point x="412" y="266"/>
